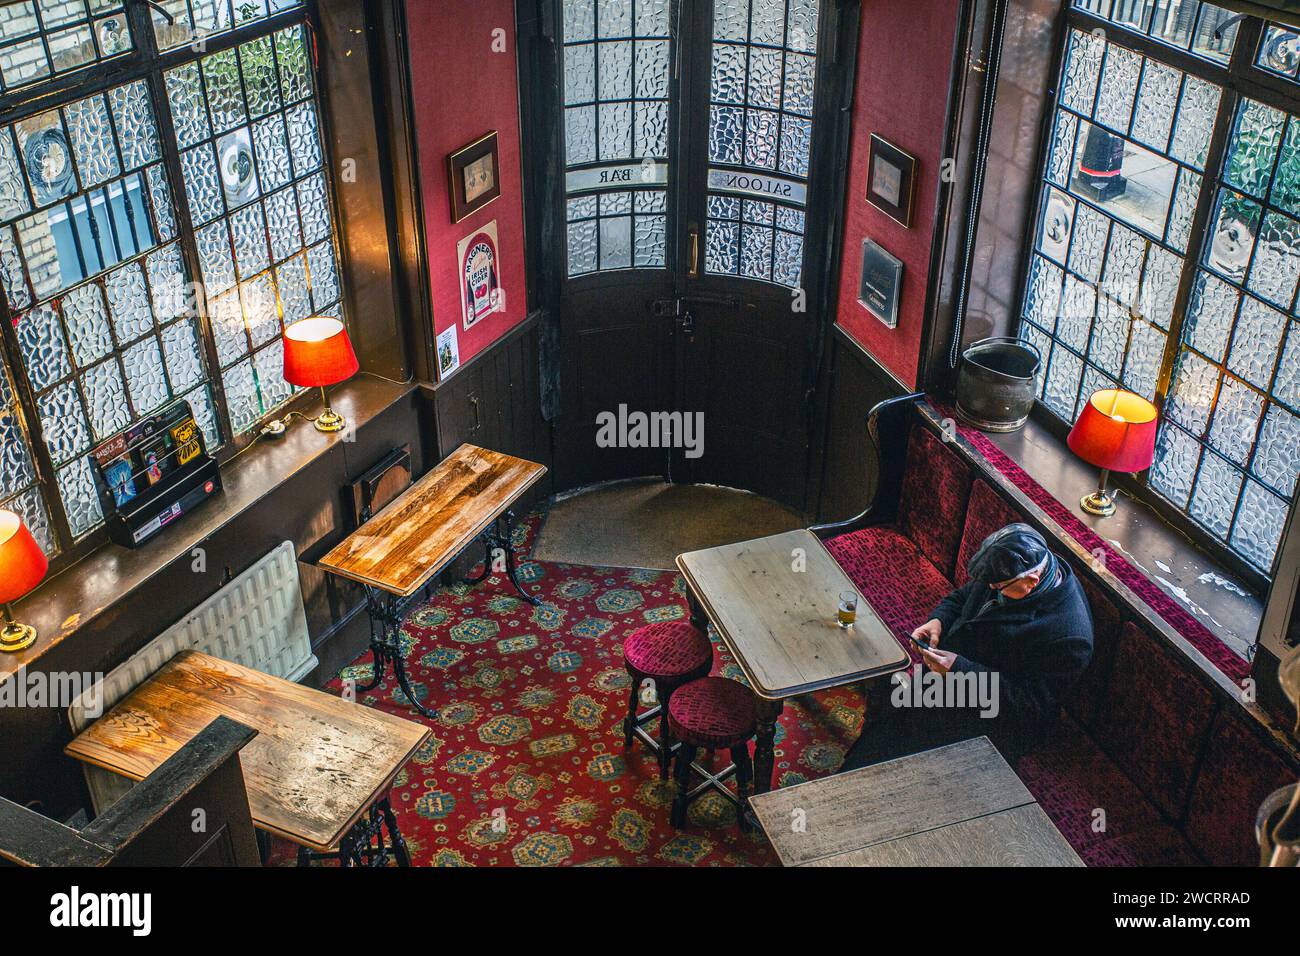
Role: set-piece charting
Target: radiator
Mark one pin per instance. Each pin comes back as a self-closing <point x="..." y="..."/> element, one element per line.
<point x="256" y="620"/>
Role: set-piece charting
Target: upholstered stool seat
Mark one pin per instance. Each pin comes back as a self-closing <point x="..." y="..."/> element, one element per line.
<point x="668" y="650"/>
<point x="712" y="713"/>
<point x="669" y="653"/>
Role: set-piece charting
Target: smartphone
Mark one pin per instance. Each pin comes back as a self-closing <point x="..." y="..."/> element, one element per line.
<point x="923" y="645"/>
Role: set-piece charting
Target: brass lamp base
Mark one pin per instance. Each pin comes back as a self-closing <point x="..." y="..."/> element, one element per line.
<point x="1098" y="503"/>
<point x="330" y="421"/>
<point x="16" y="637"/>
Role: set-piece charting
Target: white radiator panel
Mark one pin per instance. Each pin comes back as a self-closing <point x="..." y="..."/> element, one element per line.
<point x="256" y="620"/>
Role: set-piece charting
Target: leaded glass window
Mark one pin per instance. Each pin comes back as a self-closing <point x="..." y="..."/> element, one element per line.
<point x="40" y="39"/>
<point x="249" y="134"/>
<point x="1121" y="289"/>
<point x="617" y="65"/>
<point x="109" y="266"/>
<point x="760" y="137"/>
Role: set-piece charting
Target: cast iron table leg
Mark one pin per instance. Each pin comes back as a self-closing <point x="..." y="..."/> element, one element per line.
<point x="493" y="539"/>
<point x="769" y="711"/>
<point x="384" y="609"/>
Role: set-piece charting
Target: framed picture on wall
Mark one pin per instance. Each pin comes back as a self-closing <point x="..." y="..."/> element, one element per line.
<point x="881" y="284"/>
<point x="891" y="180"/>
<point x="474" y="176"/>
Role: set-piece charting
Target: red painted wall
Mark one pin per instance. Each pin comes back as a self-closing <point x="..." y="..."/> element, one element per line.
<point x="463" y="89"/>
<point x="904" y="66"/>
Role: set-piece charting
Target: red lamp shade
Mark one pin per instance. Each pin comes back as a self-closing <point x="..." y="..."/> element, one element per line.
<point x="22" y="562"/>
<point x="317" y="352"/>
<point x="1116" y="430"/>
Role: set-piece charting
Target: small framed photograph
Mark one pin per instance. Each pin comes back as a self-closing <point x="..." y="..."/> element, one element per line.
<point x="881" y="284"/>
<point x="474" y="176"/>
<point x="891" y="181"/>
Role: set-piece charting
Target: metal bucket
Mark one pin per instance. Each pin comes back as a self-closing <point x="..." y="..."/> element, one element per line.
<point x="996" y="383"/>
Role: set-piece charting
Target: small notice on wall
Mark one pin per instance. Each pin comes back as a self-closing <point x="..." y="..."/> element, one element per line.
<point x="480" y="275"/>
<point x="448" y="352"/>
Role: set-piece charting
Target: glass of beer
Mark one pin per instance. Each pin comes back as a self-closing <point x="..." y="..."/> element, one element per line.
<point x="848" y="610"/>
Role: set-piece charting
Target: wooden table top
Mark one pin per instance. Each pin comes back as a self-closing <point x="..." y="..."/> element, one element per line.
<point x="316" y="764"/>
<point x="959" y="805"/>
<point x="427" y="525"/>
<point x="780" y="623"/>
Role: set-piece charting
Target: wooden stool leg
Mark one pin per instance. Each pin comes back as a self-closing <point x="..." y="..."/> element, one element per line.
<point x="744" y="775"/>
<point x="685" y="757"/>
<point x="629" y="722"/>
<point x="665" y="735"/>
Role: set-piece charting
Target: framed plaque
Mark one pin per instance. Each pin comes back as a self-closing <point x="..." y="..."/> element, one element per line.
<point x="474" y="176"/>
<point x="881" y="283"/>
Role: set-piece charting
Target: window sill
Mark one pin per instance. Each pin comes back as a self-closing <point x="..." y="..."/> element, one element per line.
<point x="1211" y="593"/>
<point x="113" y="573"/>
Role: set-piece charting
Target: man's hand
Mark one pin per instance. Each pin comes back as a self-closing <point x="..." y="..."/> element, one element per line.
<point x="929" y="632"/>
<point x="939" y="661"/>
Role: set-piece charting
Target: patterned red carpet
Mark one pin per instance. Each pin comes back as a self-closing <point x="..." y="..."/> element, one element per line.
<point x="526" y="765"/>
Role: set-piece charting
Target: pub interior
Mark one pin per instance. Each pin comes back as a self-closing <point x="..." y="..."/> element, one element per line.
<point x="649" y="433"/>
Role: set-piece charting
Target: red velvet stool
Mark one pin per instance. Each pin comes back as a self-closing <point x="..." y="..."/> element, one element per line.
<point x="712" y="713"/>
<point x="670" y="654"/>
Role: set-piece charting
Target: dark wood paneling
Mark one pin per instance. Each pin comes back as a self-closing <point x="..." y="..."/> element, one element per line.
<point x="853" y="385"/>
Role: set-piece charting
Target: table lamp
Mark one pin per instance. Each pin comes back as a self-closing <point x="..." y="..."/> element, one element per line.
<point x="22" y="565"/>
<point x="1116" y="431"/>
<point x="317" y="353"/>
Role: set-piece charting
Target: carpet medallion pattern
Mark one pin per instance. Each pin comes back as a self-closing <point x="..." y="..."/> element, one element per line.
<point x="526" y="764"/>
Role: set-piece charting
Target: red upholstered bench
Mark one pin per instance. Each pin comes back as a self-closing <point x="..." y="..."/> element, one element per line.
<point x="1152" y="765"/>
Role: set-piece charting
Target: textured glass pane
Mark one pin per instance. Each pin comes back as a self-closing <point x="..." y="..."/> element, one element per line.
<point x="167" y="283"/>
<point x="63" y="423"/>
<point x="261" y="314"/>
<point x="225" y="100"/>
<point x="726" y="134"/>
<point x="614" y="70"/>
<point x="295" y="299"/>
<point x="1086" y="251"/>
<point x="761" y="138"/>
<point x="1217" y="486"/>
<point x="128" y="302"/>
<point x="295" y="70"/>
<point x="183" y="355"/>
<point x="1043" y="301"/>
<point x="1119" y="83"/>
<point x="1175" y="464"/>
<point x="1082" y="68"/>
<point x="40" y="340"/>
<point x="1062" y="386"/>
<point x="1286" y="387"/>
<point x="261" y="88"/>
<point x="1286" y="181"/>
<point x="1279" y="51"/>
<point x="801" y="30"/>
<point x="613" y="18"/>
<point x="1078" y="305"/>
<point x="324" y="275"/>
<point x="756" y="252"/>
<point x="800" y="71"/>
<point x="105" y="399"/>
<point x="788" y="266"/>
<point x="650" y="241"/>
<point x="269" y="365"/>
<point x="579" y="74"/>
<point x="731" y="19"/>
<point x="1184" y="208"/>
<point x="722" y="247"/>
<point x="248" y="228"/>
<point x="1255" y="342"/>
<point x="1061" y="158"/>
<point x="1121" y="279"/>
<point x="86" y="318"/>
<point x="651" y="129"/>
<point x="1253" y="147"/>
<point x="238" y="172"/>
<point x="1036" y="337"/>
<point x="282" y="221"/>
<point x="188" y="108"/>
<point x="304" y="141"/>
<point x="1276" y="266"/>
<point x="11" y="271"/>
<point x="579" y="134"/>
<point x="202" y="183"/>
<point x="579" y="18"/>
<point x="767" y="21"/>
<point x="241" y="396"/>
<point x="92" y="140"/>
<point x="227" y="320"/>
<point x="1209" y="319"/>
<point x="133" y="117"/>
<point x="1277" y="459"/>
<point x="582" y="247"/>
<point x="161" y="199"/>
<point x="765" y="78"/>
<point x="615" y="130"/>
<point x="31" y="509"/>
<point x="214" y="257"/>
<point x="80" y="499"/>
<point x="1259" y="526"/>
<point x="145" y="379"/>
<point x="16" y="470"/>
<point x="14" y="200"/>
<point x="616" y="242"/>
<point x="1196" y="112"/>
<point x="796" y="141"/>
<point x="1146" y="349"/>
<point x="1109" y="337"/>
<point x="652" y="18"/>
<point x="1236" y="420"/>
<point x="273" y="169"/>
<point x="1191" y="396"/>
<point x="1154" y="115"/>
<point x="201" y="402"/>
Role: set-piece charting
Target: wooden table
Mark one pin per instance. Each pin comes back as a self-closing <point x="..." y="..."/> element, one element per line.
<point x="317" y="773"/>
<point x="959" y="805"/>
<point x="773" y="601"/>
<point x="398" y="551"/>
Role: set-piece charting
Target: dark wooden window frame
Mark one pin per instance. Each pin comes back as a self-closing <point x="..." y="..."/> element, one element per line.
<point x="1239" y="79"/>
<point x="145" y="62"/>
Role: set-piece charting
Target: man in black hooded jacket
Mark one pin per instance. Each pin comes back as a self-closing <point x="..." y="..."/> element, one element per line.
<point x="1022" y="617"/>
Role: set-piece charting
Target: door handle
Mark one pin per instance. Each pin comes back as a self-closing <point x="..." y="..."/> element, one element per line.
<point x="686" y="322"/>
<point x="693" y="267"/>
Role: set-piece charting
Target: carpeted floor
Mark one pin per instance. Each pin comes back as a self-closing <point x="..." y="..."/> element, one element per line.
<point x="526" y="765"/>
